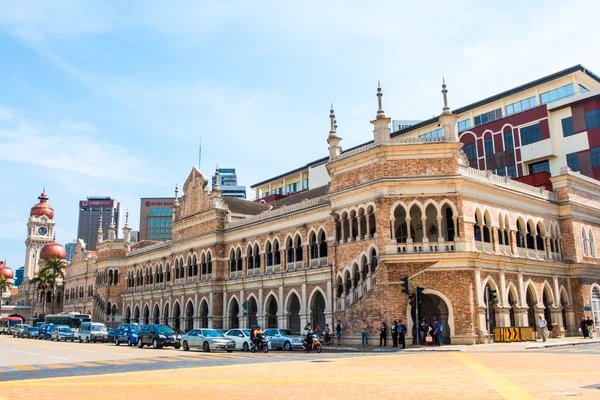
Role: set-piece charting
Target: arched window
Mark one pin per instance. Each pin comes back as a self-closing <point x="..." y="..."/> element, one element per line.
<point x="269" y="252"/>
<point x="290" y="251"/>
<point x="591" y="243"/>
<point x="520" y="235"/>
<point x="374" y="262"/>
<point x="584" y="242"/>
<point x="322" y="244"/>
<point x="190" y="267"/>
<point x="168" y="273"/>
<point x="276" y="253"/>
<point x="195" y="266"/>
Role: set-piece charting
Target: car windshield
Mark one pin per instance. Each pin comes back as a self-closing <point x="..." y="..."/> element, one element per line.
<point x="164" y="330"/>
<point x="287" y="332"/>
<point x="33" y="329"/>
<point x="211" y="333"/>
<point x="98" y="328"/>
<point x="65" y="330"/>
<point x="134" y="328"/>
<point x="246" y="332"/>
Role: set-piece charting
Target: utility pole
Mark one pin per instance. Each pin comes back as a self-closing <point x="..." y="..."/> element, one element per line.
<point x="487" y="312"/>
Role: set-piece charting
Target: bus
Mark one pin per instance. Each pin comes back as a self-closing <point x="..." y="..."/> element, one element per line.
<point x="72" y="320"/>
<point x="8" y="322"/>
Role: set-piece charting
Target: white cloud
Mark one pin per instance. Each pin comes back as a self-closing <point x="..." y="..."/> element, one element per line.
<point x="80" y="126"/>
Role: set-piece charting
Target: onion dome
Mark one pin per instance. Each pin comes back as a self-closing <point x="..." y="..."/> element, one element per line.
<point x="53" y="249"/>
<point x="6" y="271"/>
<point x="42" y="208"/>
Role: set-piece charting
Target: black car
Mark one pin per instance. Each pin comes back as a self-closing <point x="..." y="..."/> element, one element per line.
<point x="157" y="336"/>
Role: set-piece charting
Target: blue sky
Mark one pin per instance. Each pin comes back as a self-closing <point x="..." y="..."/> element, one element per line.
<point x="110" y="97"/>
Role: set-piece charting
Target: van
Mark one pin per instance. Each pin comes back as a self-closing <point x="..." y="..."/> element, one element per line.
<point x="92" y="332"/>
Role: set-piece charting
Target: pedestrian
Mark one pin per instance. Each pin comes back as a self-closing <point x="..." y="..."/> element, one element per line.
<point x="394" y="328"/>
<point x="584" y="328"/>
<point x="338" y="331"/>
<point x="365" y="335"/>
<point x="423" y="329"/>
<point x="437" y="330"/>
<point x="383" y="335"/>
<point x="543" y="325"/>
<point x="327" y="333"/>
<point x="402" y="334"/>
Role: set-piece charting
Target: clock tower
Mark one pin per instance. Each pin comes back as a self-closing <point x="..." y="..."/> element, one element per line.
<point x="40" y="231"/>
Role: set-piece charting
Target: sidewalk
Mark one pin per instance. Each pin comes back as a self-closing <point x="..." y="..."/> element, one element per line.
<point x="487" y="347"/>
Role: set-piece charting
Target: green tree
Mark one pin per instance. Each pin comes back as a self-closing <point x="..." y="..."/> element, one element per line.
<point x="55" y="270"/>
<point x="42" y="281"/>
<point x="5" y="286"/>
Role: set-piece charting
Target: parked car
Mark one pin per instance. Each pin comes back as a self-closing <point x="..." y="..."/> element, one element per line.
<point x="20" y="329"/>
<point x="32" y="332"/>
<point x="127" y="333"/>
<point x="92" y="332"/>
<point x="241" y="337"/>
<point x="110" y="335"/>
<point x="45" y="331"/>
<point x="285" y="339"/>
<point x="157" y="336"/>
<point x="207" y="339"/>
<point x="62" y="332"/>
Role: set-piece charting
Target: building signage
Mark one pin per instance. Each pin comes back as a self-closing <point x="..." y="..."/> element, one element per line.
<point x="96" y="203"/>
<point x="158" y="203"/>
<point x="587" y="308"/>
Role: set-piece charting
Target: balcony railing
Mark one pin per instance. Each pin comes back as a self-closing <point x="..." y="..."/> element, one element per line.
<point x="294" y="266"/>
<point x="420" y="247"/>
<point x="318" y="262"/>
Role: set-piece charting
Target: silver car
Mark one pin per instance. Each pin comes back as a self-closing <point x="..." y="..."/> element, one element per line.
<point x="206" y="339"/>
<point x="62" y="333"/>
<point x="285" y="339"/>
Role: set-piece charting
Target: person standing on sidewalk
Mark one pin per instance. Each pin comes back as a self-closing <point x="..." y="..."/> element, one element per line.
<point x="590" y="326"/>
<point x="338" y="331"/>
<point x="583" y="328"/>
<point x="383" y="335"/>
<point x="394" y="334"/>
<point x="365" y="336"/>
<point x="402" y="334"/>
<point x="543" y="325"/>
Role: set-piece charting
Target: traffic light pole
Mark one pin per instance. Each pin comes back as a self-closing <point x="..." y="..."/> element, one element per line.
<point x="487" y="312"/>
<point x="417" y="315"/>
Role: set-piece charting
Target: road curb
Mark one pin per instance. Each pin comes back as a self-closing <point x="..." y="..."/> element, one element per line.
<point x="547" y="346"/>
<point x="336" y="348"/>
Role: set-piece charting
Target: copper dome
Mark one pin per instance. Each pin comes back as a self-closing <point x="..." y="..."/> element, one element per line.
<point x="42" y="208"/>
<point x="53" y="249"/>
<point x="6" y="271"/>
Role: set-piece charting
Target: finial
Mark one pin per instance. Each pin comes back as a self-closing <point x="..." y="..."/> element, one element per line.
<point x="446" y="109"/>
<point x="54" y="237"/>
<point x="100" y="225"/>
<point x="126" y="217"/>
<point x="380" y="112"/>
<point x="333" y="129"/>
<point x="216" y="186"/>
<point x="112" y="217"/>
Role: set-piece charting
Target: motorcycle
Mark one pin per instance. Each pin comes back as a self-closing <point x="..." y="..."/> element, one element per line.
<point x="260" y="343"/>
<point x="316" y="345"/>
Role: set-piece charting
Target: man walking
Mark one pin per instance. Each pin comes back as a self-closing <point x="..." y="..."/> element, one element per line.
<point x="338" y="331"/>
<point x="383" y="335"/>
<point x="543" y="325"/>
<point x="395" y="334"/>
<point x="365" y="336"/>
<point x="402" y="334"/>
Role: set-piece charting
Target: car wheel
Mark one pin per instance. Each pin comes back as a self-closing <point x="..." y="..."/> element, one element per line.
<point x="139" y="344"/>
<point x="230" y="351"/>
<point x="287" y="346"/>
<point x="266" y="349"/>
<point x="87" y="339"/>
<point x="129" y="343"/>
<point x="206" y="347"/>
<point x="154" y="344"/>
<point x="72" y="340"/>
<point x="245" y="347"/>
<point x="80" y="340"/>
<point x="117" y="342"/>
<point x="185" y="346"/>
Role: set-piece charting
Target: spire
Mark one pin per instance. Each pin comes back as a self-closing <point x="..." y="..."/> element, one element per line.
<point x="100" y="233"/>
<point x="126" y="229"/>
<point x="216" y="186"/>
<point x="112" y="230"/>
<point x="175" y="204"/>
<point x="333" y="130"/>
<point x="446" y="109"/>
<point x="333" y="140"/>
<point x="380" y="112"/>
<point x="127" y="218"/>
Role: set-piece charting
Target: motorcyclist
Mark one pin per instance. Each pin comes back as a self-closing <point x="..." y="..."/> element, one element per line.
<point x="309" y="340"/>
<point x="257" y="335"/>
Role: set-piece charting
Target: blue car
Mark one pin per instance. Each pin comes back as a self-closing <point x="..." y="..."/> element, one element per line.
<point x="127" y="333"/>
<point x="46" y="331"/>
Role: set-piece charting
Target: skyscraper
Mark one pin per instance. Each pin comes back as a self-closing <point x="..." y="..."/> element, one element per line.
<point x="155" y="218"/>
<point x="19" y="273"/>
<point x="90" y="212"/>
<point x="70" y="249"/>
<point x="228" y="183"/>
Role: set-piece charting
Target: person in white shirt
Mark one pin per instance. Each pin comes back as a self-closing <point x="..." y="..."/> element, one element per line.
<point x="543" y="328"/>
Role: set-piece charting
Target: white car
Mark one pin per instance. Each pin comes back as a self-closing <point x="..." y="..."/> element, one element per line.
<point x="241" y="338"/>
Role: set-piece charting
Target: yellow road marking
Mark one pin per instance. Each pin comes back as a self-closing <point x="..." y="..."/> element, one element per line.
<point x="85" y="364"/>
<point x="24" y="367"/>
<point x="111" y="362"/>
<point x="55" y="366"/>
<point x="507" y="389"/>
<point x="160" y="359"/>
<point x="138" y="360"/>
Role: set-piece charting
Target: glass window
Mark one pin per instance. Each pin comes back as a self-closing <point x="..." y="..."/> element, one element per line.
<point x="531" y="134"/>
<point x="433" y="134"/>
<point x="152" y="212"/>
<point x="488" y="117"/>
<point x="305" y="183"/>
<point x="511" y="170"/>
<point x="592" y="119"/>
<point x="567" y="126"/>
<point x="583" y="89"/>
<point x="521" y="106"/>
<point x="470" y="151"/>
<point x="167" y="223"/>
<point x="557" y="94"/>
<point x="595" y="153"/>
<point x="542" y="166"/>
<point x="508" y="141"/>
<point x="489" y="147"/>
<point x="162" y="223"/>
<point x="464" y="125"/>
<point x="168" y="212"/>
<point x="151" y="222"/>
<point x="501" y="172"/>
<point x="573" y="161"/>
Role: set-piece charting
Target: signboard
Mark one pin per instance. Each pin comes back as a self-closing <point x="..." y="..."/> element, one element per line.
<point x="149" y="203"/>
<point x="587" y="308"/>
<point x="96" y="203"/>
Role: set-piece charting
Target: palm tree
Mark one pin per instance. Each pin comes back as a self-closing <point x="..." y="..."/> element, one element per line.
<point x="5" y="286"/>
<point x="42" y="281"/>
<point x="55" y="269"/>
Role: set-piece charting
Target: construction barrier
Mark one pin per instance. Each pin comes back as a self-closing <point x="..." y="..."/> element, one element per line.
<point x="518" y="334"/>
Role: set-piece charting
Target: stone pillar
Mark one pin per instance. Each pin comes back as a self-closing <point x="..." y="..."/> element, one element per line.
<point x="425" y="233"/>
<point x="393" y="228"/>
<point x="408" y="230"/>
<point x="351" y="231"/>
<point x="494" y="239"/>
<point x="513" y="242"/>
<point x="548" y="248"/>
<point x="439" y="228"/>
<point x="342" y="230"/>
<point x="359" y="235"/>
<point x="368" y="233"/>
<point x="456" y="232"/>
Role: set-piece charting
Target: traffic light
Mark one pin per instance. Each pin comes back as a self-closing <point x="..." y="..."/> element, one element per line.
<point x="493" y="298"/>
<point x="405" y="287"/>
<point x="411" y="300"/>
<point x="420" y="294"/>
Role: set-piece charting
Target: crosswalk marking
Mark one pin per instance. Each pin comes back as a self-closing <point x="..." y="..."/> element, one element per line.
<point x="85" y="364"/>
<point x="55" y="366"/>
<point x="25" y="367"/>
<point x="112" y="362"/>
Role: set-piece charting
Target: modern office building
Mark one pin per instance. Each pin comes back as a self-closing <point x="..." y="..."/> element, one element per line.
<point x="19" y="274"/>
<point x="70" y="249"/>
<point x="155" y="218"/>
<point x="91" y="211"/>
<point x="229" y="184"/>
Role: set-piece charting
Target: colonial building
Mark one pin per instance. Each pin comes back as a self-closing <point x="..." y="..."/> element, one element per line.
<point x="408" y="207"/>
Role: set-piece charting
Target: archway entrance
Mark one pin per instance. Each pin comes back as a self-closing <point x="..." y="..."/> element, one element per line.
<point x="234" y="314"/>
<point x="512" y="302"/>
<point x="146" y="315"/>
<point x="530" y="309"/>
<point x="293" y="310"/>
<point x="204" y="315"/>
<point x="547" y="313"/>
<point x="166" y="315"/>
<point x="271" y="314"/>
<point x="317" y="310"/>
<point x="128" y="315"/>
<point x="491" y="312"/>
<point x="432" y="307"/>
<point x="176" y="316"/>
<point x="136" y="315"/>
<point x="189" y="317"/>
<point x="156" y="315"/>
<point x="252" y="311"/>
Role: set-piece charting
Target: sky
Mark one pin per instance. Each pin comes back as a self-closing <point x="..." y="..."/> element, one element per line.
<point x="110" y="98"/>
